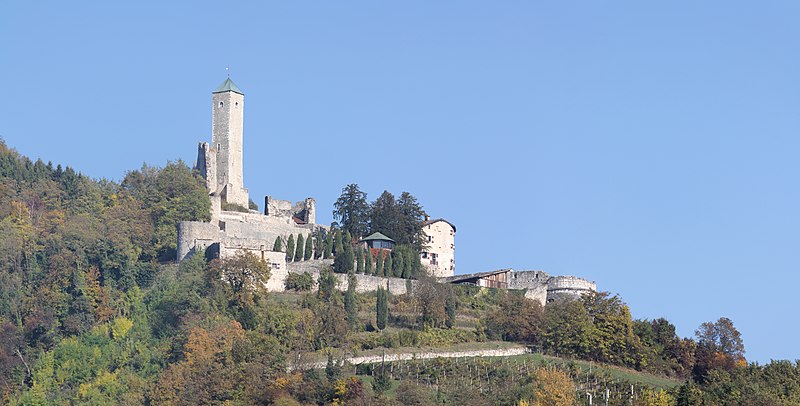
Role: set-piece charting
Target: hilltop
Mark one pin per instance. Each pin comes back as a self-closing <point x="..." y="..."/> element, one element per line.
<point x="93" y="309"/>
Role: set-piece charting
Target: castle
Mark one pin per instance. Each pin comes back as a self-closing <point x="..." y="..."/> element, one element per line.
<point x="234" y="227"/>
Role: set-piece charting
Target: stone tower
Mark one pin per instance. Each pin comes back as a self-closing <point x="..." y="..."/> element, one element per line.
<point x="226" y="141"/>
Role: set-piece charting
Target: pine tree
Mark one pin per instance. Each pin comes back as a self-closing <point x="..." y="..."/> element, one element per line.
<point x="278" y="246"/>
<point x="350" y="305"/>
<point x="319" y="245"/>
<point x="387" y="265"/>
<point x="298" y="254"/>
<point x="368" y="262"/>
<point x="381" y="308"/>
<point x="359" y="261"/>
<point x="290" y="248"/>
<point x="379" y="264"/>
<point x="309" y="249"/>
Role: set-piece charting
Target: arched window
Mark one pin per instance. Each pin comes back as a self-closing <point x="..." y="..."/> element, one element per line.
<point x="220" y="104"/>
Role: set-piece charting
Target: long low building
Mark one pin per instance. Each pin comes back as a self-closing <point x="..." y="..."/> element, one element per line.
<point x="538" y="285"/>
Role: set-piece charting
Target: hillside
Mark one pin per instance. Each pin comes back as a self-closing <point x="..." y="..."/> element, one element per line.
<point x="94" y="311"/>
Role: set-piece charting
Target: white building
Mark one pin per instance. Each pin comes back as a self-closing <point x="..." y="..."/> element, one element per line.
<point x="438" y="254"/>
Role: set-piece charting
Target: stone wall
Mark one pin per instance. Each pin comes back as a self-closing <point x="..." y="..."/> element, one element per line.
<point x="568" y="287"/>
<point x="364" y="283"/>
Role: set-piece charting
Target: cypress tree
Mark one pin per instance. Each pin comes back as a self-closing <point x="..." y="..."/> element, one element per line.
<point x="319" y="246"/>
<point x="290" y="248"/>
<point x="359" y="261"/>
<point x="381" y="308"/>
<point x="399" y="264"/>
<point x="298" y="254"/>
<point x="309" y="249"/>
<point x="350" y="305"/>
<point x="368" y="262"/>
<point x="343" y="263"/>
<point x="450" y="310"/>
<point x="278" y="246"/>
<point x="328" y="246"/>
<point x="338" y="246"/>
<point x="379" y="263"/>
<point x="387" y="265"/>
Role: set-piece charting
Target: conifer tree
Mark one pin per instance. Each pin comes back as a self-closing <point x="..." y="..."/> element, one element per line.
<point x="278" y="246"/>
<point x="343" y="263"/>
<point x="298" y="254"/>
<point x="381" y="308"/>
<point x="338" y="245"/>
<point x="368" y="262"/>
<point x="359" y="261"/>
<point x="319" y="245"/>
<point x="328" y="246"/>
<point x="309" y="249"/>
<point x="387" y="265"/>
<point x="379" y="263"/>
<point x="450" y="310"/>
<point x="350" y="305"/>
<point x="399" y="264"/>
<point x="290" y="248"/>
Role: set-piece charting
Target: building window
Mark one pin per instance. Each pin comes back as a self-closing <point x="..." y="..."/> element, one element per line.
<point x="237" y="105"/>
<point x="220" y="104"/>
<point x="430" y="238"/>
<point x="424" y="254"/>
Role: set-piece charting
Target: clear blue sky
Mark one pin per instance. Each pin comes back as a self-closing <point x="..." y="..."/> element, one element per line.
<point x="649" y="146"/>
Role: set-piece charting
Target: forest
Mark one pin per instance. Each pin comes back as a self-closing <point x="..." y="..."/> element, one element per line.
<point x="94" y="310"/>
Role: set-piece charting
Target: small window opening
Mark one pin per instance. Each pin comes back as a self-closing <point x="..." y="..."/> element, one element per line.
<point x="220" y="104"/>
<point x="237" y="105"/>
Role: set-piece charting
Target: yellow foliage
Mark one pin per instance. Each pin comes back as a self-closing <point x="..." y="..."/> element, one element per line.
<point x="659" y="397"/>
<point x="553" y="388"/>
<point x="120" y="327"/>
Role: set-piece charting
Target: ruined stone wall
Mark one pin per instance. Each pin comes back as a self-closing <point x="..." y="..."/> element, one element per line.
<point x="534" y="281"/>
<point x="304" y="210"/>
<point x="196" y="235"/>
<point x="568" y="287"/>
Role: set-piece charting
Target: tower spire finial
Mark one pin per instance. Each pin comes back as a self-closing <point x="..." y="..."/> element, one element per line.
<point x="228" y="71"/>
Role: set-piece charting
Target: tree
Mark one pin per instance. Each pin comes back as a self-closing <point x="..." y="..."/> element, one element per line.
<point x="303" y="282"/>
<point x="328" y="246"/>
<point x="244" y="273"/>
<point x="368" y="262"/>
<point x="278" y="246"/>
<point x="338" y="243"/>
<point x="309" y="249"/>
<point x="387" y="265"/>
<point x="327" y="284"/>
<point x="352" y="210"/>
<point x="450" y="309"/>
<point x="411" y="220"/>
<point x="381" y="308"/>
<point x="298" y="254"/>
<point x="517" y="319"/>
<point x="384" y="216"/>
<point x="290" y="248"/>
<point x="431" y="297"/>
<point x="359" y="261"/>
<point x="398" y="263"/>
<point x="350" y="304"/>
<point x="343" y="263"/>
<point x="379" y="263"/>
<point x="719" y="346"/>
<point x="553" y="388"/>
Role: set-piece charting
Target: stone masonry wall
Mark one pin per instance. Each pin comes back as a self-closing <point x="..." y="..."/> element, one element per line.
<point x="364" y="283"/>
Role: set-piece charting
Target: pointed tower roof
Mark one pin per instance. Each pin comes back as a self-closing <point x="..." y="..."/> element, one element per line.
<point x="228" y="86"/>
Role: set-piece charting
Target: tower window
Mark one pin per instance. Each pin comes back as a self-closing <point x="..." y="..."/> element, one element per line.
<point x="237" y="105"/>
<point x="220" y="104"/>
